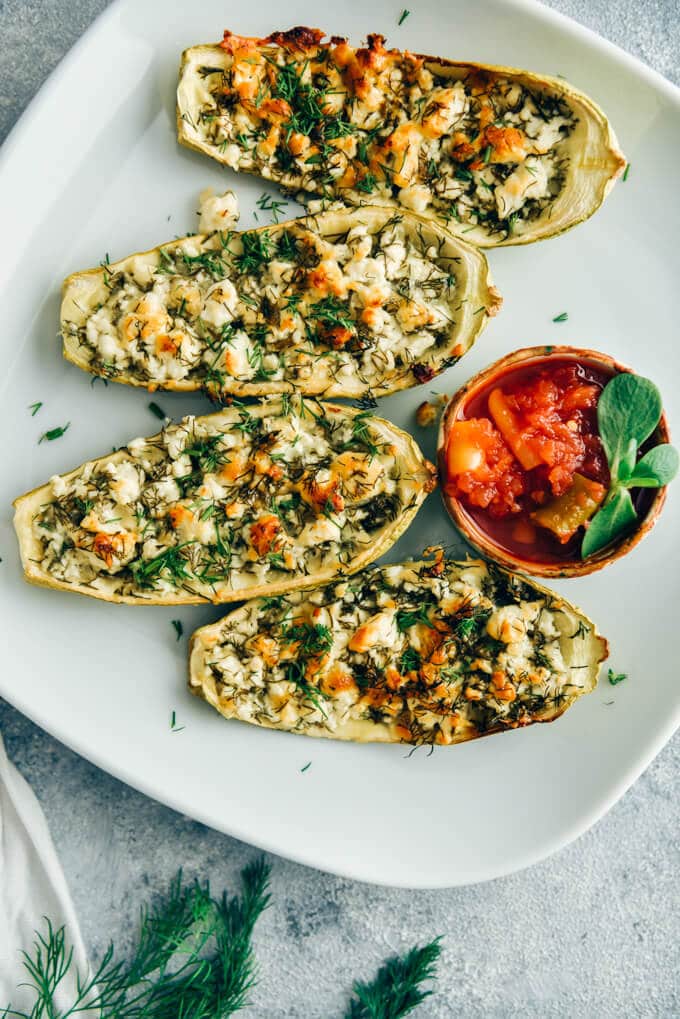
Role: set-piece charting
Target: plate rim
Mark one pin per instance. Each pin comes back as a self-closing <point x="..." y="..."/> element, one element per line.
<point x="10" y="151"/>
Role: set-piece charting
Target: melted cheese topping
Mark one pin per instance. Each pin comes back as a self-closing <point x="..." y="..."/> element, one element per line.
<point x="214" y="507"/>
<point x="481" y="149"/>
<point x="422" y="653"/>
<point x="378" y="303"/>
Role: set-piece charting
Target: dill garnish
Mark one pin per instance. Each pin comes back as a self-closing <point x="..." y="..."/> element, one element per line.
<point x="404" y="16"/>
<point x="406" y="618"/>
<point x="294" y="673"/>
<point x="410" y="660"/>
<point x="193" y="957"/>
<point x="157" y="411"/>
<point x="179" y="629"/>
<point x="146" y="572"/>
<point x="268" y="204"/>
<point x="307" y="765"/>
<point x="34" y="408"/>
<point x="396" y="989"/>
<point x="562" y="317"/>
<point x="53" y="433"/>
<point x="626" y="171"/>
<point x="312" y="639"/>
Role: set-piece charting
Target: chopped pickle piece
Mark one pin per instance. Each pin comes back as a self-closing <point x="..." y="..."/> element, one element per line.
<point x="564" y="515"/>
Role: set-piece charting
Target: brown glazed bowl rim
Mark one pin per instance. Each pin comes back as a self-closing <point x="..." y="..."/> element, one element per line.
<point x="468" y="527"/>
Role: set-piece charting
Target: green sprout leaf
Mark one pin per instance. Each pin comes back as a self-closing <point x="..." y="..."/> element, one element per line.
<point x="616" y="677"/>
<point x="655" y="468"/>
<point x="615" y="518"/>
<point x="628" y="409"/>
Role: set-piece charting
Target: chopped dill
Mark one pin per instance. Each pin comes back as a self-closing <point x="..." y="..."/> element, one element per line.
<point x="53" y="433"/>
<point x="178" y="627"/>
<point x="562" y="317"/>
<point x="34" y="408"/>
<point x="158" y="411"/>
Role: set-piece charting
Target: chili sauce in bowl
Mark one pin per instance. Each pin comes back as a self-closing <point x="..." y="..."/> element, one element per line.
<point x="522" y="466"/>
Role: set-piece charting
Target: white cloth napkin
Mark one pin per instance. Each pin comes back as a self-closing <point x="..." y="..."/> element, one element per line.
<point x="32" y="886"/>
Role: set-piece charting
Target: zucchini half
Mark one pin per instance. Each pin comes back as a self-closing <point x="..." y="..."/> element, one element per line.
<point x="424" y="652"/>
<point x="503" y="156"/>
<point x="219" y="508"/>
<point x="341" y="304"/>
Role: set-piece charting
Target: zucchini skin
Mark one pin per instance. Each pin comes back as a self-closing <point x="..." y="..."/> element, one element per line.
<point x="476" y="650"/>
<point x="398" y="452"/>
<point x="595" y="158"/>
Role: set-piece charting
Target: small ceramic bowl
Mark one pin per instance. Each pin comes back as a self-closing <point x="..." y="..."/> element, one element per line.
<point x="471" y="528"/>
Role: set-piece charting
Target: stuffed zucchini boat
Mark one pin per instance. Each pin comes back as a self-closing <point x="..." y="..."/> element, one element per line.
<point x="225" y="507"/>
<point x="341" y="304"/>
<point x="502" y="156"/>
<point x="424" y="652"/>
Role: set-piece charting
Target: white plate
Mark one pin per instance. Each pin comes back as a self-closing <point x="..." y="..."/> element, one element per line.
<point x="94" y="167"/>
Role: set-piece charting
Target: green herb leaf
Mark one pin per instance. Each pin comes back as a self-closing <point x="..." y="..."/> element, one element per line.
<point x="616" y="677"/>
<point x="35" y="407"/>
<point x="397" y="987"/>
<point x="179" y="628"/>
<point x="626" y="171"/>
<point x="53" y="433"/>
<point x="629" y="408"/>
<point x="404" y="16"/>
<point x="615" y="518"/>
<point x="307" y="765"/>
<point x="656" y="468"/>
<point x="562" y="317"/>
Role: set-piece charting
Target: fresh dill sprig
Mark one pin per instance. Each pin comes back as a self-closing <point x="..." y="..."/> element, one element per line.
<point x="193" y="958"/>
<point x="406" y="618"/>
<point x="268" y="204"/>
<point x="35" y="407"/>
<point x="397" y="987"/>
<point x="616" y="677"/>
<point x="404" y="16"/>
<point x="257" y="251"/>
<point x="311" y="638"/>
<point x="562" y="317"/>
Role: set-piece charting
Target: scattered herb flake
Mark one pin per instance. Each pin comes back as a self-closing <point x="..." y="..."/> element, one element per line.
<point x="626" y="171"/>
<point x="179" y="629"/>
<point x="158" y="411"/>
<point x="616" y="677"/>
<point x="268" y="204"/>
<point x="562" y="317"/>
<point x="35" y="407"/>
<point x="307" y="765"/>
<point x="404" y="16"/>
<point x="54" y="433"/>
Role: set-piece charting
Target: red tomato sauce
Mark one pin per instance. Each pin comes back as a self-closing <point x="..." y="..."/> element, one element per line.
<point x="517" y="447"/>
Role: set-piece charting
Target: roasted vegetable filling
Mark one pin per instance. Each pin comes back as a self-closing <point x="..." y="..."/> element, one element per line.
<point x="361" y="310"/>
<point x="230" y="502"/>
<point x="373" y="124"/>
<point x="428" y="652"/>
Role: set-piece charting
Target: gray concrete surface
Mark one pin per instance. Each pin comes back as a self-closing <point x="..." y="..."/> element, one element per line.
<point x="592" y="932"/>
